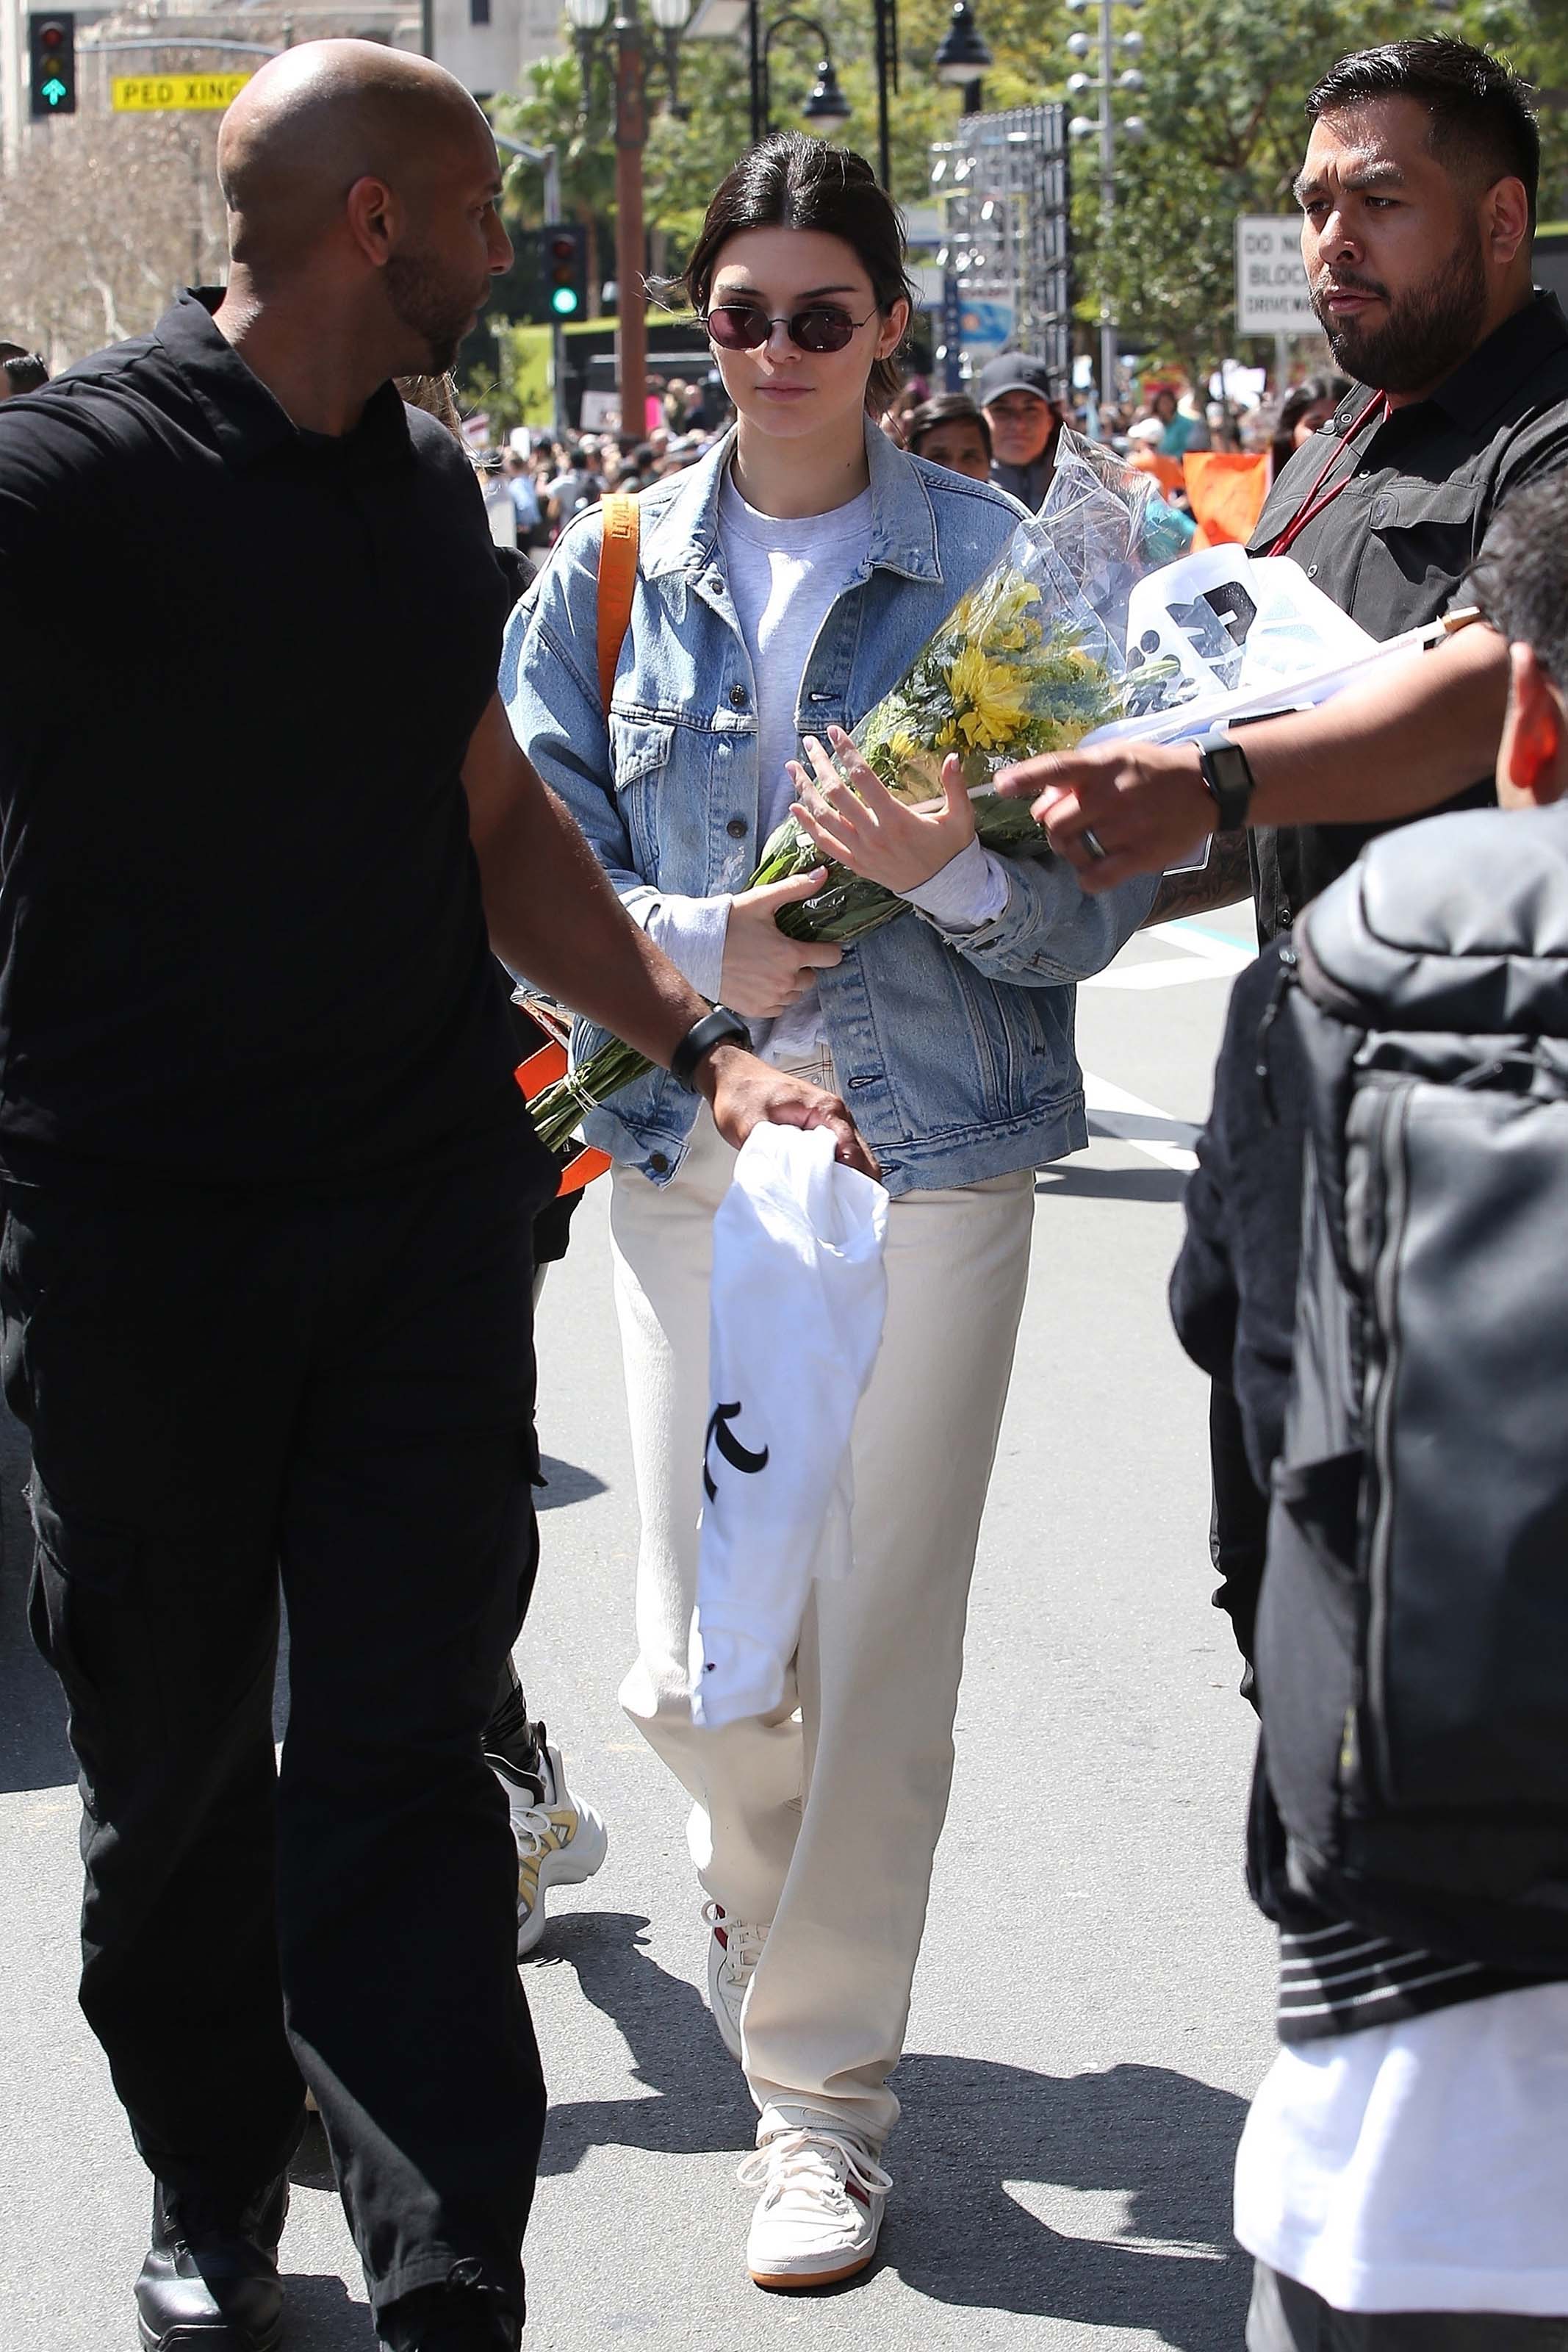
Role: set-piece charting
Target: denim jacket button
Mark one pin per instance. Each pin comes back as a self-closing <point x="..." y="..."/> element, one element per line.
<point x="738" y="697"/>
<point x="657" y="1163"/>
<point x="735" y="828"/>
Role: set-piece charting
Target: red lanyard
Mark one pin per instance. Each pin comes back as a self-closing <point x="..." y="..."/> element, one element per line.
<point x="1314" y="505"/>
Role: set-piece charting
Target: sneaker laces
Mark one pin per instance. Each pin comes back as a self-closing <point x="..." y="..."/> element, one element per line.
<point x="818" y="2164"/>
<point x="743" y="1942"/>
<point x="535" y="1833"/>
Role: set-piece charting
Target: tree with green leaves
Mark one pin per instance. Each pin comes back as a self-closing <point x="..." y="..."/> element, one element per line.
<point x="1226" y="81"/>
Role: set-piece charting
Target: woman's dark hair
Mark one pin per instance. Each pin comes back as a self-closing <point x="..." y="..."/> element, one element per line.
<point x="1295" y="404"/>
<point x="792" y="181"/>
<point x="948" y="408"/>
<point x="1483" y="124"/>
<point x="1307" y="394"/>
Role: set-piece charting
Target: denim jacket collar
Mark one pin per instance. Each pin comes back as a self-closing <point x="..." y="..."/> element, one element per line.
<point x="683" y="536"/>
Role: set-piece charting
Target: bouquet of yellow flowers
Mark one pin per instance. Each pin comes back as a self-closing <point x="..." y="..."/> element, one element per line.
<point x="1020" y="667"/>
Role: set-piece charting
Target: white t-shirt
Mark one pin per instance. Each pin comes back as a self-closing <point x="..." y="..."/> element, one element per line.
<point x="1421" y="2166"/>
<point x="785" y="574"/>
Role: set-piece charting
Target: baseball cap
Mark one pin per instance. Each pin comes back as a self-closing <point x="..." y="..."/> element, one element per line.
<point x="1014" y="372"/>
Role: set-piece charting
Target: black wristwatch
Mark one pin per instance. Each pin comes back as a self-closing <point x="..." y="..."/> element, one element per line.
<point x="703" y="1037"/>
<point x="1228" y="778"/>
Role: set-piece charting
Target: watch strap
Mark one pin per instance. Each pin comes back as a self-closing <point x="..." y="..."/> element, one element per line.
<point x="703" y="1037"/>
<point x="1227" y="779"/>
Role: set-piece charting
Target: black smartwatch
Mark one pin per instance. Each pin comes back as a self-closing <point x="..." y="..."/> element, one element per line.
<point x="703" y="1037"/>
<point x="1227" y="779"/>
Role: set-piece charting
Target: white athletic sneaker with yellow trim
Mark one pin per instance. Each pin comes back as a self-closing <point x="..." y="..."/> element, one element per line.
<point x="819" y="2214"/>
<point x="733" y="1950"/>
<point x="560" y="1840"/>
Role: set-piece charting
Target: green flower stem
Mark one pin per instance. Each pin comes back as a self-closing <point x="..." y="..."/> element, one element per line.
<point x="847" y="908"/>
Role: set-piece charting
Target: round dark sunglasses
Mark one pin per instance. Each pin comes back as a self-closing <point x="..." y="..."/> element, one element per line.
<point x="746" y="326"/>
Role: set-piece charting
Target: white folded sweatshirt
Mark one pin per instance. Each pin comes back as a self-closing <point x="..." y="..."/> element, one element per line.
<point x="799" y="1292"/>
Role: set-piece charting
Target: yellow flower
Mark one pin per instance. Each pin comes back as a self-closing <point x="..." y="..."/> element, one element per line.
<point x="989" y="696"/>
<point x="946" y="735"/>
<point x="902" y="747"/>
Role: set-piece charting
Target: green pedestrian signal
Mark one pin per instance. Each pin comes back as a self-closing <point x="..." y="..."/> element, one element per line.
<point x="52" y="64"/>
<point x="563" y="254"/>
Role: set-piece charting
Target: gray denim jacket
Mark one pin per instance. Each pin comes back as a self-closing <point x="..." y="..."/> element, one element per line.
<point x="953" y="1049"/>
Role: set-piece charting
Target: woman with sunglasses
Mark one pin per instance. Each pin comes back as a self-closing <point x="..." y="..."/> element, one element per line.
<point x="785" y="582"/>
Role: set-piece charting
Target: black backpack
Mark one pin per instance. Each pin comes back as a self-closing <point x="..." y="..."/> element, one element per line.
<point x="1413" y="1628"/>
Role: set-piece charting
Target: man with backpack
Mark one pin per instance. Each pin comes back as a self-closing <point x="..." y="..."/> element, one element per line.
<point x="1373" y="1263"/>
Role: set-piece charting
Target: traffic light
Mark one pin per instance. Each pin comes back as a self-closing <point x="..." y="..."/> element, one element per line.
<point x="52" y="64"/>
<point x="563" y="269"/>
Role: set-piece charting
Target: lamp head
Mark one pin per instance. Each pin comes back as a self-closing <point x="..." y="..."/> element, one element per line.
<point x="827" y="103"/>
<point x="962" y="56"/>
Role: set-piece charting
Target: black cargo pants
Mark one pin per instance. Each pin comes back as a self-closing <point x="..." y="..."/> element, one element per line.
<point x="221" y="1389"/>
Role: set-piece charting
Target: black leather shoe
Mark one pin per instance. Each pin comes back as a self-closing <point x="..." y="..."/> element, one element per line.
<point x="210" y="2282"/>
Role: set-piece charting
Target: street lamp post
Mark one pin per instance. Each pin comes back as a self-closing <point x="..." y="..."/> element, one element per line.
<point x="827" y="103"/>
<point x="587" y="18"/>
<point x="887" y="72"/>
<point x="1134" y="128"/>
<point x="962" y="58"/>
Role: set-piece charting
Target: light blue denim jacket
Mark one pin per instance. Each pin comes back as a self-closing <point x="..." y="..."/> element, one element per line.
<point x="953" y="1049"/>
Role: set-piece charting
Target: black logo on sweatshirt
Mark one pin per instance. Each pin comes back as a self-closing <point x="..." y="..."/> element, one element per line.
<point x="730" y="1447"/>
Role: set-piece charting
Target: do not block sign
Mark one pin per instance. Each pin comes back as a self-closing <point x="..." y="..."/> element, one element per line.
<point x="176" y="93"/>
<point x="1271" y="281"/>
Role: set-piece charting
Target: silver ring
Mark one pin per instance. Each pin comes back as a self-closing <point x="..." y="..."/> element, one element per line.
<point x="1092" y="843"/>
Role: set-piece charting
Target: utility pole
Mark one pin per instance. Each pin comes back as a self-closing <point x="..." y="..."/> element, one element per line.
<point x="1083" y="126"/>
<point x="12" y="97"/>
<point x="548" y="158"/>
<point x="1108" y="354"/>
<point x="631" y="138"/>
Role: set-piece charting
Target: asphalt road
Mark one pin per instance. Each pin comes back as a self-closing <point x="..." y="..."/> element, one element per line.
<point x="1093" y="2003"/>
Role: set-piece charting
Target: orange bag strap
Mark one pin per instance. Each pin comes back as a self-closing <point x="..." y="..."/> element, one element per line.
<point x="617" y="584"/>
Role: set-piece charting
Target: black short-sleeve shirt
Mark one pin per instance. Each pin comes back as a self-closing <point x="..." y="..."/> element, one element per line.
<point x="241" y="935"/>
<point x="1394" y="545"/>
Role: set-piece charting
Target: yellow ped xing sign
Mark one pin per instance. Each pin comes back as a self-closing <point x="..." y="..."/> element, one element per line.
<point x="169" y="93"/>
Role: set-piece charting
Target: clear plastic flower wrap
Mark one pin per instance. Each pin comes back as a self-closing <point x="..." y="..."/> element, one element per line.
<point x="1108" y="526"/>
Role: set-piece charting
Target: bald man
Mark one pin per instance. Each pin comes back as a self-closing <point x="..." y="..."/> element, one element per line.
<point x="268" y="1187"/>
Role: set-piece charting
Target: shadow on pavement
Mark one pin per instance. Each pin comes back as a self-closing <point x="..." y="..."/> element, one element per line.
<point x="675" y="2049"/>
<point x="972" y="2129"/>
<point x="564" y="1482"/>
<point x="32" y="1749"/>
<point x="323" y="2316"/>
<point x="1114" y="1183"/>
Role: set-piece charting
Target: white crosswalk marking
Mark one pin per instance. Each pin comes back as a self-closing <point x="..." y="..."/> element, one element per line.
<point x="1205" y="955"/>
<point x="1127" y="1119"/>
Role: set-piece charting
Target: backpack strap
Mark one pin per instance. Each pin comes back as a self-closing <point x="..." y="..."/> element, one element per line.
<point x="617" y="584"/>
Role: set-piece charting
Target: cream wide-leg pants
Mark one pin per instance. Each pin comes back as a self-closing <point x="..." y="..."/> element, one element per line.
<point x="826" y="1826"/>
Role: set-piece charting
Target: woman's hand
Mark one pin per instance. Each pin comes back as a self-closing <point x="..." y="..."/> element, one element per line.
<point x="871" y="831"/>
<point x="764" y="972"/>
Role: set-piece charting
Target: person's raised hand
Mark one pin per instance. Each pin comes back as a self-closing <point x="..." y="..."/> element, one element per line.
<point x="744" y="1091"/>
<point x="764" y="972"/>
<point x="1116" y="810"/>
<point x="870" y="830"/>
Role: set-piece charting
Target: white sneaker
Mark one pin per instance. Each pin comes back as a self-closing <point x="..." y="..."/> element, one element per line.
<point x="819" y="2214"/>
<point x="560" y="1841"/>
<point x="733" y="1950"/>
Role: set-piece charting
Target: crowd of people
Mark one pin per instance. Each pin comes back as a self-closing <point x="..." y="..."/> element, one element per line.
<point x="275" y="1211"/>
